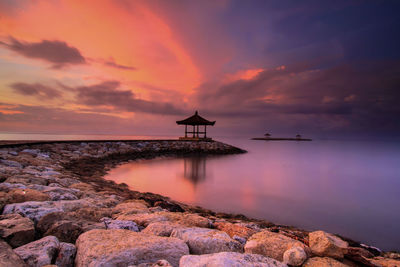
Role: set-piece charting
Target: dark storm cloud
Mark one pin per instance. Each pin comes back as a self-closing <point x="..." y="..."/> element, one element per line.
<point x="108" y="94"/>
<point x="59" y="53"/>
<point x="36" y="89"/>
<point x="351" y="97"/>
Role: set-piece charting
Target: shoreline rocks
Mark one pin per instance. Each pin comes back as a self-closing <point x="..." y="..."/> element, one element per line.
<point x="57" y="209"/>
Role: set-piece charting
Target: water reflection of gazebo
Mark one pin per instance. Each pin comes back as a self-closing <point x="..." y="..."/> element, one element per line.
<point x="195" y="121"/>
<point x="194" y="169"/>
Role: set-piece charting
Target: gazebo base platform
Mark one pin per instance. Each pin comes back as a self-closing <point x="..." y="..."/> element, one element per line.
<point x="195" y="138"/>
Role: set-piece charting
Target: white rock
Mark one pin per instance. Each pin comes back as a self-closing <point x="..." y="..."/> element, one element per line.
<point x="229" y="259"/>
<point x="204" y="241"/>
<point x="294" y="256"/>
<point x="37" y="209"/>
<point x="124" y="248"/>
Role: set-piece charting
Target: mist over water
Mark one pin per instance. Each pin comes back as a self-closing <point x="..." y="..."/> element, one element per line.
<point x="344" y="187"/>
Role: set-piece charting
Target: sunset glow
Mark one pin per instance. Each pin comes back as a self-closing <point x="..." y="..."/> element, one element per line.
<point x="147" y="63"/>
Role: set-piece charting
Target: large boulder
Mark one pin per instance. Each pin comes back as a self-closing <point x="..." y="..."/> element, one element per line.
<point x="16" y="230"/>
<point x="124" y="247"/>
<point x="8" y="257"/>
<point x="131" y="207"/>
<point x="228" y="259"/>
<point x="271" y="244"/>
<point x="327" y="245"/>
<point x="323" y="262"/>
<point x="204" y="241"/>
<point x="36" y="210"/>
<point x="160" y="228"/>
<point x="66" y="255"/>
<point x="235" y="229"/>
<point x="294" y="256"/>
<point x="385" y="262"/>
<point x="40" y="252"/>
<point x="67" y="226"/>
<point x="23" y="195"/>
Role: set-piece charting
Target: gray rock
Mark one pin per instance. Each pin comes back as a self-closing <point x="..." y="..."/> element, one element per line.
<point x="117" y="224"/>
<point x="13" y="153"/>
<point x="16" y="230"/>
<point x="40" y="252"/>
<point x="294" y="256"/>
<point x="11" y="163"/>
<point x="204" y="241"/>
<point x="229" y="259"/>
<point x="66" y="255"/>
<point x="124" y="248"/>
<point x="32" y="152"/>
<point x="35" y="209"/>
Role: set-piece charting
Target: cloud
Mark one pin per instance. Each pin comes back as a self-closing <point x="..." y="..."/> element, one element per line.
<point x="108" y="94"/>
<point x="357" y="97"/>
<point x="58" y="53"/>
<point x="38" y="90"/>
<point x="113" y="64"/>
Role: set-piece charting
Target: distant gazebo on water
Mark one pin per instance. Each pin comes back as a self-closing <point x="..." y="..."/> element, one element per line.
<point x="195" y="121"/>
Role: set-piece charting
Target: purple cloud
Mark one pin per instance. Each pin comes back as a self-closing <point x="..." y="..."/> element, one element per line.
<point x="59" y="53"/>
<point x="113" y="64"/>
<point x="108" y="94"/>
<point x="38" y="90"/>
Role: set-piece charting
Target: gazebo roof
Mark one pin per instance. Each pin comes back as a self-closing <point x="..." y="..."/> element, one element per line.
<point x="196" y="120"/>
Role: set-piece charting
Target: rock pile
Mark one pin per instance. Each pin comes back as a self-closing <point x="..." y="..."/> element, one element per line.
<point x="58" y="210"/>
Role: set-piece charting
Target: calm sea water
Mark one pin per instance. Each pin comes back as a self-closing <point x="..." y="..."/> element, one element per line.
<point x="345" y="187"/>
<point x="349" y="188"/>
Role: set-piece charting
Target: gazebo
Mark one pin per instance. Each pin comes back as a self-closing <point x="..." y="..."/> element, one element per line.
<point x="195" y="121"/>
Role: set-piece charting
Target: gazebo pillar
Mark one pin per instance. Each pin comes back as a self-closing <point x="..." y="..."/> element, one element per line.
<point x="185" y="130"/>
<point x="205" y="131"/>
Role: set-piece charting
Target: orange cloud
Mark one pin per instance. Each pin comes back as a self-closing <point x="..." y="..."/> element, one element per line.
<point x="130" y="34"/>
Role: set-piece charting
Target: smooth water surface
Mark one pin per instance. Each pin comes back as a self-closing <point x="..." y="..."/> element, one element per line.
<point x="349" y="188"/>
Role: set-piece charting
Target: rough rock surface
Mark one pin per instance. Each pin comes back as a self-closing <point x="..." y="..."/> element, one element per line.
<point x="229" y="259"/>
<point x="327" y="245"/>
<point x="235" y="229"/>
<point x="204" y="241"/>
<point x="8" y="257"/>
<point x="323" y="262"/>
<point x="23" y="195"/>
<point x="40" y="252"/>
<point x="16" y="230"/>
<point x="123" y="247"/>
<point x="131" y="207"/>
<point x="294" y="256"/>
<point x="116" y="224"/>
<point x="160" y="228"/>
<point x="270" y="244"/>
<point x="385" y="262"/>
<point x="186" y="219"/>
<point x="66" y="255"/>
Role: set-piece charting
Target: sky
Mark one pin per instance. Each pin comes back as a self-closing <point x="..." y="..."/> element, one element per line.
<point x="320" y="68"/>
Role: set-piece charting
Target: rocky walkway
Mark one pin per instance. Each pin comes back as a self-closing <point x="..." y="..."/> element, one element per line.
<point x="58" y="210"/>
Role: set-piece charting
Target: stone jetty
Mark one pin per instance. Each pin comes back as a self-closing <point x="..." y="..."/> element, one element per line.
<point x="57" y="210"/>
